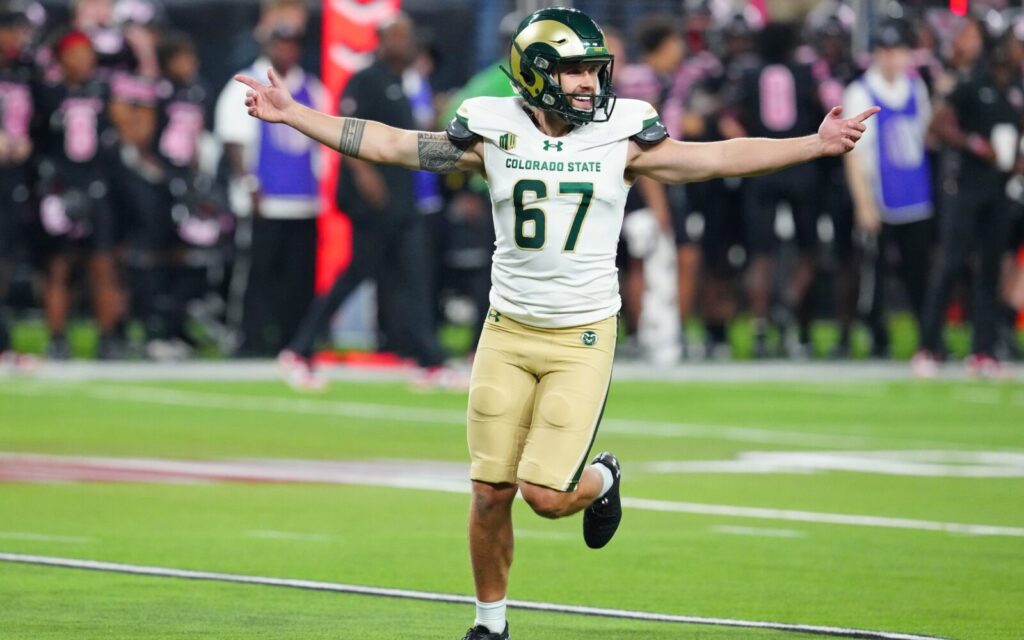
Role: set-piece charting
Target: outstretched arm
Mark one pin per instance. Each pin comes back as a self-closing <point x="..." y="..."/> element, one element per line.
<point x="364" y="139"/>
<point x="677" y="162"/>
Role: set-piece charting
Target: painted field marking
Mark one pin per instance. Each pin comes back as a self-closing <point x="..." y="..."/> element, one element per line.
<point x="758" y="532"/>
<point x="910" y="462"/>
<point x="409" y="474"/>
<point x="450" y="417"/>
<point x="821" y="518"/>
<point x="288" y="535"/>
<point x="408" y="594"/>
<point x="43" y="537"/>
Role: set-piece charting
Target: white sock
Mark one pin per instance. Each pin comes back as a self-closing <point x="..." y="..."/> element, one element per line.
<point x="607" y="479"/>
<point x="491" y="615"/>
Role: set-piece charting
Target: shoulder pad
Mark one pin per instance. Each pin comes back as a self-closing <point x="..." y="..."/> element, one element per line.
<point x="652" y="133"/>
<point x="459" y="134"/>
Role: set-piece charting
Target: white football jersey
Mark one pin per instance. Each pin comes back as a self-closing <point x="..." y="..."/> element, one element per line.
<point x="558" y="205"/>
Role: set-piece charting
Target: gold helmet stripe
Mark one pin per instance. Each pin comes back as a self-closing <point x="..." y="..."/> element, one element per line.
<point x="552" y="33"/>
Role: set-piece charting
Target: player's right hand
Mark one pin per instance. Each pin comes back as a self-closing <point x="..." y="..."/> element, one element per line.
<point x="267" y="102"/>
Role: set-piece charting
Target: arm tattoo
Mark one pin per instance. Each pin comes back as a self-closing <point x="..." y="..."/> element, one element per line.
<point x="351" y="136"/>
<point x="437" y="153"/>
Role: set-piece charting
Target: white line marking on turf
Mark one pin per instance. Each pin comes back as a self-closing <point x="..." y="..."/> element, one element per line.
<point x="758" y="532"/>
<point x="287" y="535"/>
<point x="911" y="462"/>
<point x="821" y="518"/>
<point x="725" y="432"/>
<point x="428" y="415"/>
<point x="43" y="537"/>
<point x="165" y="572"/>
<point x="444" y="477"/>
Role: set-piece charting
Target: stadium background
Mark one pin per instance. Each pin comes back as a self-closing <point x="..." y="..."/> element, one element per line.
<point x="461" y="34"/>
<point x="765" y="500"/>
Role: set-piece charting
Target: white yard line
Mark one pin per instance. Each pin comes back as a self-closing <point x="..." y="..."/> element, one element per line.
<point x="903" y="462"/>
<point x="430" y="476"/>
<point x="698" y="508"/>
<point x="758" y="532"/>
<point x="166" y="572"/>
<point x="733" y="434"/>
<point x="453" y="417"/>
<point x="43" y="537"/>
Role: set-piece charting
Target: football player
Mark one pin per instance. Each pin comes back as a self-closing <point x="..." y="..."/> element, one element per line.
<point x="15" y="148"/>
<point x="559" y="159"/>
<point x="76" y="221"/>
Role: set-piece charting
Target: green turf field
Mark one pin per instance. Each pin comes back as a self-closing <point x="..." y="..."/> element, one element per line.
<point x="902" y="464"/>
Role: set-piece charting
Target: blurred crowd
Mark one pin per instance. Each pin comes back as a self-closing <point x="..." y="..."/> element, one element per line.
<point x="927" y="209"/>
<point x="102" y="186"/>
<point x="180" y="231"/>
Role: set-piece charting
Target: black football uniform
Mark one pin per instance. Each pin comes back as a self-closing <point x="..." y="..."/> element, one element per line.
<point x="834" y="196"/>
<point x="16" y="112"/>
<point x="73" y="168"/>
<point x="15" y="121"/>
<point x="721" y="200"/>
<point x="181" y="120"/>
<point x="977" y="214"/>
<point x="780" y="101"/>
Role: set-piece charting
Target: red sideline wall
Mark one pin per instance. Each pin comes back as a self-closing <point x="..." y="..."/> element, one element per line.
<point x="349" y="38"/>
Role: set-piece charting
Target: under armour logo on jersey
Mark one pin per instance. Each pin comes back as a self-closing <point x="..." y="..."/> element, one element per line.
<point x="548" y="145"/>
<point x="507" y="141"/>
<point x="494" y="314"/>
<point x="588" y="338"/>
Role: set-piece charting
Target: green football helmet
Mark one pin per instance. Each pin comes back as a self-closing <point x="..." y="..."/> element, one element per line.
<point x="554" y="36"/>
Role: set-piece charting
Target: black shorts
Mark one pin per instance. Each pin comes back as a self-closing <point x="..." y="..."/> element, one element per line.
<point x="836" y="201"/>
<point x="97" y="234"/>
<point x="798" y="187"/>
<point x="10" y="229"/>
<point x="720" y="202"/>
<point x="679" y="213"/>
<point x="15" y="211"/>
<point x="1016" y="234"/>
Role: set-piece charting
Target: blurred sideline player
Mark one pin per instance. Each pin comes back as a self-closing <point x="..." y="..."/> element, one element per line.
<point x="833" y="66"/>
<point x="778" y="100"/>
<point x="981" y="119"/>
<point x="76" y="221"/>
<point x="15" y="149"/>
<point x="651" y="80"/>
<point x="891" y="181"/>
<point x="559" y="160"/>
<point x="712" y="77"/>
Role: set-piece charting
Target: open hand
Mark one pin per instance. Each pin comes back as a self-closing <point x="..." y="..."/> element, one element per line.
<point x="267" y="102"/>
<point x="837" y="135"/>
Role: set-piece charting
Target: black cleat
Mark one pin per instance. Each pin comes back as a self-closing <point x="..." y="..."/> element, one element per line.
<point x="601" y="519"/>
<point x="480" y="632"/>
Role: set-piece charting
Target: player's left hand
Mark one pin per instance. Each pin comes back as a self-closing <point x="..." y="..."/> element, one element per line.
<point x="838" y="135"/>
